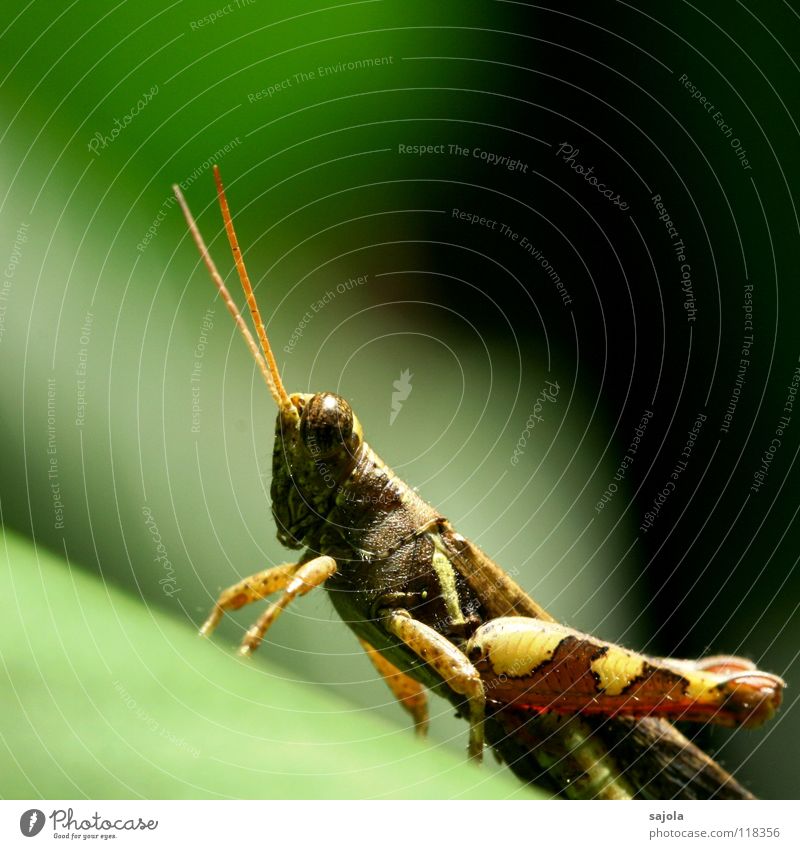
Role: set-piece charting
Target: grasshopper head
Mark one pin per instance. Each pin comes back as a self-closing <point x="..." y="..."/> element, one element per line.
<point x="317" y="438"/>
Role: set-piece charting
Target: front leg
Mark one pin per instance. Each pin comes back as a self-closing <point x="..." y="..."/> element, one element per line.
<point x="448" y="661"/>
<point x="309" y="576"/>
<point x="248" y="590"/>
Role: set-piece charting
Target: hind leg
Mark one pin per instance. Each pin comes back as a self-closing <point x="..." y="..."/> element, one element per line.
<point x="544" y="666"/>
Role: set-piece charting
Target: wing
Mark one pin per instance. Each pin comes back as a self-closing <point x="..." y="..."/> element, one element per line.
<point x="499" y="594"/>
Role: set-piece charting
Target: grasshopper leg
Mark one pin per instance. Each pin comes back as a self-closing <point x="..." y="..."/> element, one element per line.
<point x="544" y="666"/>
<point x="449" y="662"/>
<point x="410" y="693"/>
<point x="250" y="589"/>
<point x="307" y="577"/>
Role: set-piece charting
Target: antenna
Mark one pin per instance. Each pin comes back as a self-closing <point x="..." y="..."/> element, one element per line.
<point x="248" y="290"/>
<point x="270" y="374"/>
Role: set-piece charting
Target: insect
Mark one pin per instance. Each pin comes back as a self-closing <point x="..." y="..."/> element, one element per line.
<point x="433" y="612"/>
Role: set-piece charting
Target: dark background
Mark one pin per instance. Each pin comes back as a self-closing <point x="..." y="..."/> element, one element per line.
<point x="321" y="193"/>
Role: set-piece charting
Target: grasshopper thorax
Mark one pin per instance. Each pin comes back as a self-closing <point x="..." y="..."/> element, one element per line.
<point x="317" y="440"/>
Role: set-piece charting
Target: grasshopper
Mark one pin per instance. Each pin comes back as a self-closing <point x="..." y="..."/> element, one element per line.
<point x="432" y="611"/>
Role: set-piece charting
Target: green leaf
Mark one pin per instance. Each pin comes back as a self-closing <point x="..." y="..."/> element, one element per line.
<point x="105" y="697"/>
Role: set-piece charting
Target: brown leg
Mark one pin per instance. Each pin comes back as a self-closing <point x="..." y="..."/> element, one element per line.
<point x="448" y="662"/>
<point x="410" y="693"/>
<point x="306" y="578"/>
<point x="250" y="589"/>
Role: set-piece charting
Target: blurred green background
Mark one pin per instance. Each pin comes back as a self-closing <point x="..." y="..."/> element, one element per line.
<point x="127" y="394"/>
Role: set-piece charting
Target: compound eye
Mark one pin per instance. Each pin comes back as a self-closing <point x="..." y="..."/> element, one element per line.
<point x="326" y="424"/>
